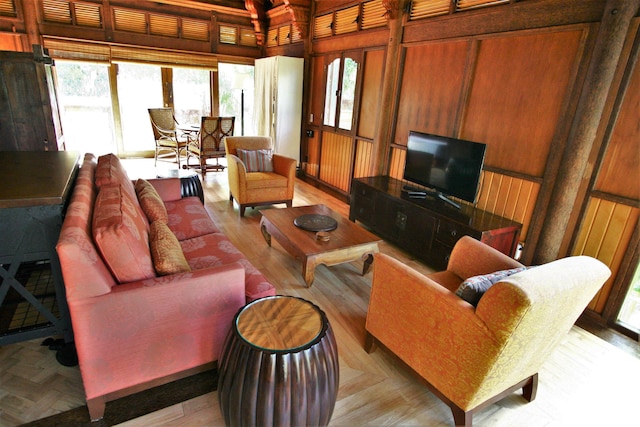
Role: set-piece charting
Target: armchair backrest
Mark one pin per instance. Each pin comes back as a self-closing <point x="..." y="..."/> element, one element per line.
<point x="529" y="313"/>
<point x="212" y="132"/>
<point x="163" y="122"/>
<point x="233" y="143"/>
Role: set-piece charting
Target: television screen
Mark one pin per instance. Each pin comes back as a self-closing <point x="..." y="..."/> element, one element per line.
<point x="449" y="165"/>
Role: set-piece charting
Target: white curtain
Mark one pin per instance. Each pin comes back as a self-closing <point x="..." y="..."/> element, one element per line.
<point x="265" y="87"/>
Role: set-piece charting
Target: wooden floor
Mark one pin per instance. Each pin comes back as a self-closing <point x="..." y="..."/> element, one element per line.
<point x="586" y="382"/>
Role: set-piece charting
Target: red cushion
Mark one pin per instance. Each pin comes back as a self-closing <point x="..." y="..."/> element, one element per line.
<point x="121" y="233"/>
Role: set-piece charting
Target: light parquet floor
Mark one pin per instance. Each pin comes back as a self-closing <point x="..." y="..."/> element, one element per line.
<point x="586" y="382"/>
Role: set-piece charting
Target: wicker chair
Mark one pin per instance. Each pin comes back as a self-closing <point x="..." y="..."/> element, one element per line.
<point x="209" y="143"/>
<point x="170" y="141"/>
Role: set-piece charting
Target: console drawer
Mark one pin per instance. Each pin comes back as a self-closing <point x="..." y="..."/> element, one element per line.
<point x="450" y="232"/>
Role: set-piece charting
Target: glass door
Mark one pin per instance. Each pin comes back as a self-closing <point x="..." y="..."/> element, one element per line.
<point x="84" y="96"/>
<point x="191" y="95"/>
<point x="139" y="88"/>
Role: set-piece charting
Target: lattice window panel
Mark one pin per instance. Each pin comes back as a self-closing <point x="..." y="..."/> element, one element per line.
<point x="272" y="37"/>
<point x="163" y="25"/>
<point x="247" y="37"/>
<point x="373" y="15"/>
<point x="129" y="20"/>
<point x="284" y="35"/>
<point x="57" y="11"/>
<point x="8" y="8"/>
<point x="228" y="34"/>
<point x="473" y="4"/>
<point x="347" y="20"/>
<point x="426" y="8"/>
<point x="323" y="26"/>
<point x="195" y="30"/>
<point x="88" y="15"/>
<point x="296" y="34"/>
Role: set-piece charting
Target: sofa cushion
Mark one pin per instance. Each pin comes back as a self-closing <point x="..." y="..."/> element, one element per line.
<point x="472" y="289"/>
<point x="215" y="249"/>
<point x="166" y="251"/>
<point x="150" y="202"/>
<point x="120" y="231"/>
<point x="110" y="171"/>
<point x="188" y="218"/>
<point x="256" y="160"/>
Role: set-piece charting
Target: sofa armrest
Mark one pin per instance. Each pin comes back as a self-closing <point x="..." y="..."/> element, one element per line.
<point x="143" y="330"/>
<point x="471" y="257"/>
<point x="169" y="189"/>
<point x="427" y="326"/>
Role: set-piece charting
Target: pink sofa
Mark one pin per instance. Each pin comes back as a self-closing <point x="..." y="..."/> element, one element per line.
<point x="135" y="328"/>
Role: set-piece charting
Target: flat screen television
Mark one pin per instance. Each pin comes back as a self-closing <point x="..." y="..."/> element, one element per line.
<point x="450" y="166"/>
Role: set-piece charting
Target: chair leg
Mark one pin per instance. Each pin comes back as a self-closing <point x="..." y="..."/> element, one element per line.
<point x="289" y="203"/>
<point x="530" y="388"/>
<point x="242" y="208"/>
<point x="369" y="343"/>
<point x="462" y="418"/>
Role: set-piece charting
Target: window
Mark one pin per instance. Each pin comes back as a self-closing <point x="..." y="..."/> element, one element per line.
<point x="84" y="97"/>
<point x="342" y="73"/>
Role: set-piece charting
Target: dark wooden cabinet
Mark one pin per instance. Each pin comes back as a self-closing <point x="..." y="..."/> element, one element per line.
<point x="426" y="228"/>
<point x="28" y="103"/>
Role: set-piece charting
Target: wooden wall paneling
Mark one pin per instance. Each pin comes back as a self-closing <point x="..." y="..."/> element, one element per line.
<point x="396" y="165"/>
<point x="510" y="197"/>
<point x="605" y="234"/>
<point x="371" y="92"/>
<point x="516" y="16"/>
<point x="312" y="164"/>
<point x="316" y="94"/>
<point x="619" y="171"/>
<point x="336" y="160"/>
<point x="363" y="159"/>
<point x="432" y="83"/>
<point x="11" y="42"/>
<point x="508" y="108"/>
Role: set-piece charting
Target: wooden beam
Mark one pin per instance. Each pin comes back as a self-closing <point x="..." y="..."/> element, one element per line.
<point x="574" y="165"/>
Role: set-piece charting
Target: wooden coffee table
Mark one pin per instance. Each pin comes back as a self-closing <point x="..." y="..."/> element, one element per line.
<point x="348" y="242"/>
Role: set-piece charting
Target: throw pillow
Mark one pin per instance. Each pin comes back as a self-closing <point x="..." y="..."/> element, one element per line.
<point x="472" y="289"/>
<point x="151" y="202"/>
<point x="120" y="232"/>
<point x="166" y="251"/>
<point x="257" y="160"/>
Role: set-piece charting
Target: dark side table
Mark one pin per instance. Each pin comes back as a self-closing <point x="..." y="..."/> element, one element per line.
<point x="279" y="365"/>
<point x="190" y="184"/>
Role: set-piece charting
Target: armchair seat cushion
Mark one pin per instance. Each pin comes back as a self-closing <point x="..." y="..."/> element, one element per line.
<point x="257" y="180"/>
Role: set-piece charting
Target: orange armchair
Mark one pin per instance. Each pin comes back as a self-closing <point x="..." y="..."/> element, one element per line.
<point x="258" y="188"/>
<point x="471" y="357"/>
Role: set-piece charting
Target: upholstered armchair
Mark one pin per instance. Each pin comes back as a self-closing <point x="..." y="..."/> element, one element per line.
<point x="472" y="356"/>
<point x="256" y="177"/>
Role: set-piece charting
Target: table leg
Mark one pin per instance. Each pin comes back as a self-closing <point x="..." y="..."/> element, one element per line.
<point x="265" y="234"/>
<point x="308" y="270"/>
<point x="368" y="260"/>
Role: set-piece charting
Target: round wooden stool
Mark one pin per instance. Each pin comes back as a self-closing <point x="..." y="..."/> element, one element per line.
<point x="279" y="365"/>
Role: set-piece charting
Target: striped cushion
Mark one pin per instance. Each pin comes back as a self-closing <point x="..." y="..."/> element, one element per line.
<point x="256" y="160"/>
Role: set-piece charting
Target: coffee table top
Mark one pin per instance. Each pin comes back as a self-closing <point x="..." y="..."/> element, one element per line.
<point x="279" y="323"/>
<point x="347" y="234"/>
